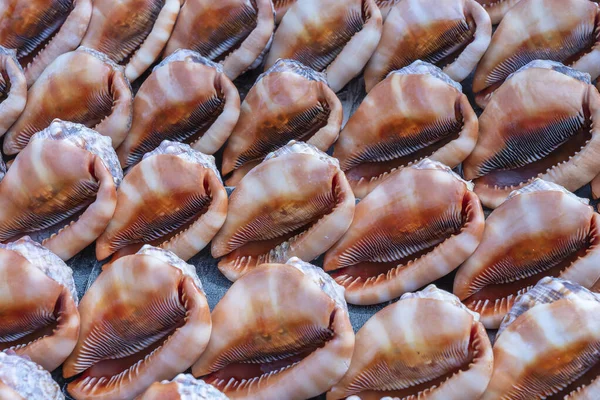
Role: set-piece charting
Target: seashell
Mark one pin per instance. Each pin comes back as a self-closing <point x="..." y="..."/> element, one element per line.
<point x="497" y="8"/>
<point x="297" y="202"/>
<point x="235" y="33"/>
<point x="39" y="303"/>
<point x="421" y="112"/>
<point x="144" y="319"/>
<point x="551" y="348"/>
<point x="186" y="98"/>
<point x="13" y="88"/>
<point x="417" y="226"/>
<point x="336" y="37"/>
<point x="183" y="387"/>
<point x="281" y="332"/>
<point x="398" y="354"/>
<point x="22" y="379"/>
<point x="288" y="102"/>
<point x="173" y="198"/>
<point x="529" y="132"/>
<point x="65" y="178"/>
<point x="42" y="30"/>
<point x="452" y="34"/>
<point x="385" y="6"/>
<point x="541" y="230"/>
<point x="82" y="87"/>
<point x="540" y="29"/>
<point x="132" y="33"/>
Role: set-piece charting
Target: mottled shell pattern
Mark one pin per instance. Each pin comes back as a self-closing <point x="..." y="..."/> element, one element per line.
<point x="13" y="89"/>
<point x="82" y="86"/>
<point x="529" y="132"/>
<point x="540" y="29"/>
<point x="416" y="112"/>
<point x="61" y="189"/>
<point x="452" y="34"/>
<point x="398" y="354"/>
<point x="22" y="379"/>
<point x="235" y="33"/>
<point x="297" y="202"/>
<point x="144" y="319"/>
<point x="132" y="33"/>
<point x="182" y="387"/>
<point x="497" y="8"/>
<point x="336" y="37"/>
<point x="173" y="198"/>
<point x="288" y="102"/>
<point x="549" y="345"/>
<point x="280" y="331"/>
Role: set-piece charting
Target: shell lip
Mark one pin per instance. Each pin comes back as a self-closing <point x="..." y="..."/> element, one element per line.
<point x="419" y="67"/>
<point x="187" y="55"/>
<point x="294" y="66"/>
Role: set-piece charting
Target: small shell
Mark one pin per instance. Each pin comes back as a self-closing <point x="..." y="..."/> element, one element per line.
<point x="288" y="102"/>
<point x="82" y="86"/>
<point x="334" y="36"/>
<point x="144" y="319"/>
<point x="236" y="33"/>
<point x="497" y="8"/>
<point x="281" y="332"/>
<point x="182" y="387"/>
<point x="13" y="88"/>
<point x="297" y="202"/>
<point x="22" y="379"/>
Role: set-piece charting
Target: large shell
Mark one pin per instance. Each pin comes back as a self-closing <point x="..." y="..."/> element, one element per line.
<point x="38" y="303"/>
<point x="186" y="98"/>
<point x="550" y="347"/>
<point x="173" y="198"/>
<point x="452" y="34"/>
<point x="542" y="122"/>
<point x="334" y="36"/>
<point x="288" y="102"/>
<point x="497" y="8"/>
<point x="42" y="30"/>
<point x="183" y="387"/>
<point x="281" y="332"/>
<point x="415" y="112"/>
<point x="13" y="89"/>
<point x="236" y="33"/>
<point x="297" y="202"/>
<point x="427" y="345"/>
<point x="22" y="379"/>
<point x="65" y="177"/>
<point x="540" y="29"/>
<point x="144" y="319"/>
<point x="131" y="32"/>
<point x="82" y="87"/>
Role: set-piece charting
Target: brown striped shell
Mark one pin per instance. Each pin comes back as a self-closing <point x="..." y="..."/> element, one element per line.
<point x="497" y="8"/>
<point x="540" y="29"/>
<point x="132" y="33"/>
<point x="182" y="387"/>
<point x="541" y="123"/>
<point x="61" y="189"/>
<point x="281" y="7"/>
<point x="297" y="202"/>
<point x="415" y="112"/>
<point x="288" y="102"/>
<point x="280" y="332"/>
<point x="22" y="379"/>
<point x="13" y="89"/>
<point x="336" y="37"/>
<point x="82" y="86"/>
<point x="425" y="346"/>
<point x="144" y="319"/>
<point x="236" y="33"/>
<point x="452" y="34"/>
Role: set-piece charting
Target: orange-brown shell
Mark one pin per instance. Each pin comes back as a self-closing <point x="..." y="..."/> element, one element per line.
<point x="182" y="387"/>
<point x="497" y="8"/>
<point x="13" y="89"/>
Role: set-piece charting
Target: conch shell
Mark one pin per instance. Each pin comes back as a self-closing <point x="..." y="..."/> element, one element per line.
<point x="144" y="319"/>
<point x="39" y="304"/>
<point x="288" y="102"/>
<point x="417" y="226"/>
<point x="13" y="89"/>
<point x="497" y="8"/>
<point x="173" y="198"/>
<point x="297" y="202"/>
<point x="542" y="122"/>
<point x="182" y="387"/>
<point x="336" y="37"/>
<point x="66" y="178"/>
<point x="83" y="87"/>
<point x="186" y="98"/>
<point x="236" y="33"/>
<point x="561" y="30"/>
<point x="426" y="346"/>
<point x="415" y="112"/>
<point x="452" y="34"/>
<point x="282" y="331"/>
<point x="42" y="30"/>
<point x="131" y="32"/>
<point x="22" y="379"/>
<point x="549" y="345"/>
